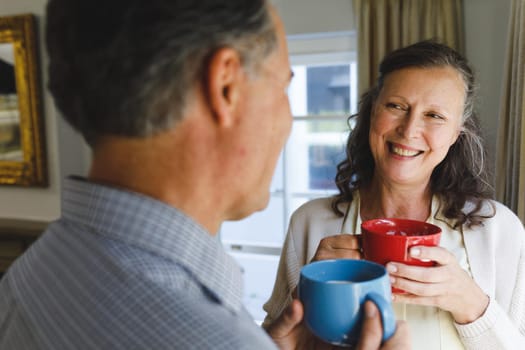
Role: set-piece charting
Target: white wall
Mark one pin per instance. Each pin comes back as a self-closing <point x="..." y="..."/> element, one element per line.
<point x="486" y="30"/>
<point x="313" y="16"/>
<point x="486" y="26"/>
<point x="66" y="152"/>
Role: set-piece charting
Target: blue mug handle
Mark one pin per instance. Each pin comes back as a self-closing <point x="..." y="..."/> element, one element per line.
<point x="387" y="314"/>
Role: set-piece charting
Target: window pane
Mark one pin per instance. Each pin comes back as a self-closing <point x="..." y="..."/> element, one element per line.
<point x="321" y="168"/>
<point x="322" y="90"/>
<point x="328" y="90"/>
<point x="277" y="184"/>
<point x="313" y="151"/>
<point x="259" y="275"/>
<point x="265" y="228"/>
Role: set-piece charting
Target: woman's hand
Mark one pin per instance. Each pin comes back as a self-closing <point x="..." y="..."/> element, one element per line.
<point x="445" y="285"/>
<point x="341" y="246"/>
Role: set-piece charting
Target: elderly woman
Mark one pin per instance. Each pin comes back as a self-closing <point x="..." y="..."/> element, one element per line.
<point x="416" y="153"/>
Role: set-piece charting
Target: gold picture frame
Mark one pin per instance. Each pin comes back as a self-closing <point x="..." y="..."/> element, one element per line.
<point x="22" y="146"/>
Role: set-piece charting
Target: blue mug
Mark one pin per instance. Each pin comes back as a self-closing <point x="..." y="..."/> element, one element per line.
<point x="333" y="293"/>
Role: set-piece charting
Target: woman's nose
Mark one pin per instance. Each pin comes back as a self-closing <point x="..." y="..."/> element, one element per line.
<point x="410" y="126"/>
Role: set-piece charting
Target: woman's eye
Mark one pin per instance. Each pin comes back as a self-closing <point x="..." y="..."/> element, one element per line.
<point x="435" y="116"/>
<point x="394" y="106"/>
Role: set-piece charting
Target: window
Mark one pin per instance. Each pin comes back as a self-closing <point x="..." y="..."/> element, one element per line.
<point x="322" y="96"/>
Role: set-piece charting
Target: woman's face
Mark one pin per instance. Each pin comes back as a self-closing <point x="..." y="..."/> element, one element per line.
<point x="414" y="121"/>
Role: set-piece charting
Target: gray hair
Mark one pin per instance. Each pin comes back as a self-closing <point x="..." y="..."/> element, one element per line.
<point x="126" y="67"/>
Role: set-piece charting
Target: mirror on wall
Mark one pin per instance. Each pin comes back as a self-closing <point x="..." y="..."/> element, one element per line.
<point x="10" y="145"/>
<point x="22" y="146"/>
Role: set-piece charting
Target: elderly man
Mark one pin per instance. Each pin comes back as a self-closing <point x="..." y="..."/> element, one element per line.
<point x="184" y="106"/>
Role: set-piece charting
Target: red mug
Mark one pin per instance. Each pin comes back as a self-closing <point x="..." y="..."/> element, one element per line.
<point x="385" y="240"/>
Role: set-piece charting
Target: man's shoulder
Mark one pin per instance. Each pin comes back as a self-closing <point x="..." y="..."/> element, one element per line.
<point x="206" y="324"/>
<point x="159" y="309"/>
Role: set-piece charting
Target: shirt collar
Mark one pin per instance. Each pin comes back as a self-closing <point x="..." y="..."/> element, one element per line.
<point x="149" y="224"/>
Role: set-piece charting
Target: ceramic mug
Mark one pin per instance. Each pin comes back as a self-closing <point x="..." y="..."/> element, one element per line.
<point x="385" y="240"/>
<point x="333" y="293"/>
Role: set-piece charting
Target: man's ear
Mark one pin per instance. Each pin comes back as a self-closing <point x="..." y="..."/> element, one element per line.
<point x="224" y="84"/>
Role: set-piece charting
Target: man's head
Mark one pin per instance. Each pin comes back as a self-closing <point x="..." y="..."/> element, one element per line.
<point x="184" y="101"/>
<point x="125" y="68"/>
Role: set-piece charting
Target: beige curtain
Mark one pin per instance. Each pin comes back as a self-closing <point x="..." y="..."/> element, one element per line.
<point x="385" y="25"/>
<point x="510" y="155"/>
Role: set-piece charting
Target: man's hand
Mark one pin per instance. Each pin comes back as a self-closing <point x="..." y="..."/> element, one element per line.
<point x="286" y="330"/>
<point x="289" y="333"/>
<point x="372" y="332"/>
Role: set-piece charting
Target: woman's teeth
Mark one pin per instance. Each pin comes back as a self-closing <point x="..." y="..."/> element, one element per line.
<point x="404" y="152"/>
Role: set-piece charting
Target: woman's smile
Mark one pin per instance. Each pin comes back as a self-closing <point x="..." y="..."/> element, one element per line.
<point x="403" y="151"/>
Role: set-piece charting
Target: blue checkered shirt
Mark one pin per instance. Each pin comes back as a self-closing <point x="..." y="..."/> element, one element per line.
<point x="120" y="270"/>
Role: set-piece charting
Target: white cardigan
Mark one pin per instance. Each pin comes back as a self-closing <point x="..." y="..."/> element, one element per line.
<point x="496" y="255"/>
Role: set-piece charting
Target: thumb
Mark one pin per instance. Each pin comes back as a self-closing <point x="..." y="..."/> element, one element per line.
<point x="285" y="325"/>
<point x="371" y="331"/>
